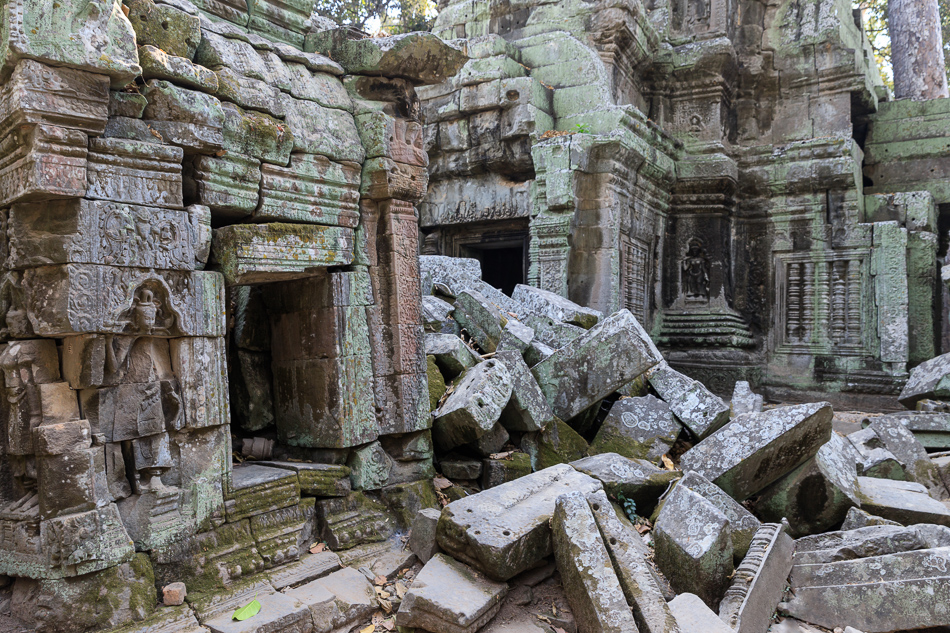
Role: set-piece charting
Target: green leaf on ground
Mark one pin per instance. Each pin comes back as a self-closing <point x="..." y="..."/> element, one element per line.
<point x="247" y="611"/>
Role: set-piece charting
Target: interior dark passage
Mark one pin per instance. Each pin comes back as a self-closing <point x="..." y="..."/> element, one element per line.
<point x="503" y="265"/>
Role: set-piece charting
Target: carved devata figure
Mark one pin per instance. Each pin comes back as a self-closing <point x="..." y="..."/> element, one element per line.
<point x="695" y="272"/>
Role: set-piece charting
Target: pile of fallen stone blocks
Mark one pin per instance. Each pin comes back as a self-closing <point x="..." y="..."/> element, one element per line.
<point x="768" y="515"/>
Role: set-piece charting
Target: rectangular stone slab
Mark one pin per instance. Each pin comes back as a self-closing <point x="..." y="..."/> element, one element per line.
<point x="42" y="162"/>
<point x="259" y="253"/>
<point x="311" y="189"/>
<point x="85" y="298"/>
<point x="931" y="429"/>
<point x="901" y="501"/>
<point x="873" y="540"/>
<point x="505" y="530"/>
<point x="450" y="597"/>
<point x="603" y="359"/>
<point x="885" y="593"/>
<point x="590" y="583"/>
<point x="80" y="231"/>
<point x="755" y="449"/>
<point x="759" y="581"/>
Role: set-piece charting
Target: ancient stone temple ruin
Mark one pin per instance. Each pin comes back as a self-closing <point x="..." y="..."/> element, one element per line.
<point x="325" y="323"/>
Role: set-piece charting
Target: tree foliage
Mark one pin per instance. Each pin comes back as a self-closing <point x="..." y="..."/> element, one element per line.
<point x="875" y="25"/>
<point x="388" y="16"/>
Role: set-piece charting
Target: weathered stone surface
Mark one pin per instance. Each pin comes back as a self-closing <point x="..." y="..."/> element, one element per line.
<point x="256" y="134"/>
<point x="555" y="306"/>
<point x="83" y="298"/>
<point x="901" y="501"/>
<point x="744" y="400"/>
<point x="279" y="612"/>
<point x="134" y="172"/>
<point x="759" y="581"/>
<point x="257" y="489"/>
<point x="310" y="189"/>
<point x="694" y="546"/>
<point x="189" y="119"/>
<point x="42" y="162"/>
<point x="640" y="428"/>
<point x="101" y="232"/>
<point x="858" y="518"/>
<point x="369" y="467"/>
<point x="345" y="522"/>
<point x="480" y="318"/>
<point x="157" y="64"/>
<point x="457" y="467"/>
<point x="451" y="354"/>
<point x="449" y="596"/>
<point x="558" y="443"/>
<point x="279" y="252"/>
<point x="911" y="454"/>
<point x="515" y="336"/>
<point x="422" y="536"/>
<point x="420" y="57"/>
<point x="504" y="530"/>
<point x="696" y="407"/>
<point x="864" y="542"/>
<point x="63" y="36"/>
<point x="635" y="479"/>
<point x="756" y="449"/>
<point x="628" y="554"/>
<point x="528" y="410"/>
<point x="931" y="429"/>
<point x="743" y="523"/>
<point x="885" y="593"/>
<point x="817" y="495"/>
<point x="229" y="185"/>
<point x="340" y="599"/>
<point x="166" y="27"/>
<point x="693" y="616"/>
<point x="873" y="459"/>
<point x="497" y="471"/>
<point x="455" y="273"/>
<point x="927" y="380"/>
<point x="474" y="406"/>
<point x="593" y="590"/>
<point x="608" y="356"/>
<point x="325" y="131"/>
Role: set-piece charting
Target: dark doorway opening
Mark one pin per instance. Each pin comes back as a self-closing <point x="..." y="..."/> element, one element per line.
<point x="503" y="265"/>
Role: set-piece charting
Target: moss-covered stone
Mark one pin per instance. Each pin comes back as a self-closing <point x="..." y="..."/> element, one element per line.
<point x="405" y="500"/>
<point x="558" y="443"/>
<point x="436" y="383"/>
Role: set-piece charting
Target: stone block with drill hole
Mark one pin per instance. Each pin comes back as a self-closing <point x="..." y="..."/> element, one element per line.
<point x="603" y="359"/>
<point x="450" y="597"/>
<point x="694" y="546"/>
<point x="815" y="496"/>
<point x="640" y="428"/>
<point x="756" y="449"/>
<point x="474" y="407"/>
<point x="635" y="479"/>
<point x="528" y="410"/>
<point x="902" y="501"/>
<point x="551" y="332"/>
<point x="339" y="601"/>
<point x="759" y="581"/>
<point x="929" y="380"/>
<point x="556" y="307"/>
<point x="873" y="540"/>
<point x="590" y="583"/>
<point x="742" y="522"/>
<point x="629" y="555"/>
<point x="701" y="411"/>
<point x="452" y="355"/>
<point x="480" y="318"/>
<point x="422" y="537"/>
<point x="911" y="454"/>
<point x="895" y="592"/>
<point x="505" y="530"/>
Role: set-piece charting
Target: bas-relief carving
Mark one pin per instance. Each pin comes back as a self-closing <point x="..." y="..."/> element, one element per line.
<point x="694" y="273"/>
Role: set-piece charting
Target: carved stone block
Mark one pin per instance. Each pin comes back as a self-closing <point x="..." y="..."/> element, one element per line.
<point x="37" y="93"/>
<point x="201" y="368"/>
<point x="85" y="298"/>
<point x="134" y="172"/>
<point x="62" y="35"/>
<point x="259" y="489"/>
<point x="345" y="522"/>
<point x="257" y="135"/>
<point x="282" y="534"/>
<point x="80" y="231"/>
<point x="319" y="480"/>
<point x="77" y="544"/>
<point x="325" y="131"/>
<point x="66" y="483"/>
<point x="229" y="185"/>
<point x="187" y="118"/>
<point x="42" y="162"/>
<point x="385" y="178"/>
<point x="257" y="253"/>
<point x="311" y="189"/>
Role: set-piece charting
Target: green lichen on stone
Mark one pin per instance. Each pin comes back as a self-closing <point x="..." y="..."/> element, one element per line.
<point x="559" y="444"/>
<point x="436" y="383"/>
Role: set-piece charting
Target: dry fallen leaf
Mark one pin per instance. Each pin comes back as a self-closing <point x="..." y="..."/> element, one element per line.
<point x="642" y="528"/>
<point x="383" y="594"/>
<point x="368" y="629"/>
<point x="668" y="463"/>
<point x="558" y="629"/>
<point x="401" y="590"/>
<point x="386" y="605"/>
<point x="378" y="618"/>
<point x="390" y="624"/>
<point x="316" y="548"/>
<point x="441" y="483"/>
<point x="379" y="581"/>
